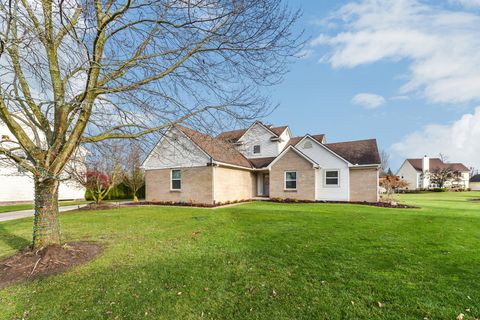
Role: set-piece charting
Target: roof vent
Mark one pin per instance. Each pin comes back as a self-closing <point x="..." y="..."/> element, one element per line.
<point x="307" y="144"/>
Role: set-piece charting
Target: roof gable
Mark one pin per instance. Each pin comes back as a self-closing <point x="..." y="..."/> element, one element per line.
<point x="317" y="141"/>
<point x="218" y="149"/>
<point x="300" y="153"/>
<point x="236" y="135"/>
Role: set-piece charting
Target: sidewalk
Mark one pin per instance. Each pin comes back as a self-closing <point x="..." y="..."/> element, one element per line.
<point x="6" y="216"/>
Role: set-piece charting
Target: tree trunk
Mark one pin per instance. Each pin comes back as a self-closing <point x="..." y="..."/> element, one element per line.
<point x="46" y="229"/>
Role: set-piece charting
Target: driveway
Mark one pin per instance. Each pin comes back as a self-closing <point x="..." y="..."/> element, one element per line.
<point x="6" y="216"/>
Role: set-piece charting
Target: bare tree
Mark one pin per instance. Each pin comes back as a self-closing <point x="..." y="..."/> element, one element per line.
<point x="439" y="176"/>
<point x="473" y="172"/>
<point x="443" y="157"/>
<point x="384" y="160"/>
<point x="133" y="176"/>
<point x="76" y="72"/>
<point x="100" y="171"/>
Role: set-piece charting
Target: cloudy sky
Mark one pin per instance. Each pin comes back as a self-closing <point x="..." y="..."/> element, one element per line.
<point x="406" y="72"/>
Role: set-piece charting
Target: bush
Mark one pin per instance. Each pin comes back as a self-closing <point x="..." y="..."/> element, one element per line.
<point x="439" y="189"/>
<point x="120" y="192"/>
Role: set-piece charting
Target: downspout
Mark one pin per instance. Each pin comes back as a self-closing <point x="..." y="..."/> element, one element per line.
<point x="213" y="180"/>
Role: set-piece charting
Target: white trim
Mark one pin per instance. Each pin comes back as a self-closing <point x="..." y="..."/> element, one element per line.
<point x="325" y="185"/>
<point x="323" y="146"/>
<point x="300" y="153"/>
<point x="224" y="164"/>
<point x="365" y="166"/>
<point x="213" y="184"/>
<point x="285" y="180"/>
<point x="171" y="180"/>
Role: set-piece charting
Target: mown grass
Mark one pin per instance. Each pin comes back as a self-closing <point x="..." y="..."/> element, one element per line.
<point x="263" y="261"/>
<point x="27" y="206"/>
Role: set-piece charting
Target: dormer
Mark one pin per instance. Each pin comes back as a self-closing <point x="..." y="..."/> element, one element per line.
<point x="259" y="140"/>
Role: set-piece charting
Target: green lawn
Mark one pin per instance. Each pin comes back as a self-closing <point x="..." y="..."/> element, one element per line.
<point x="263" y="261"/>
<point x="26" y="206"/>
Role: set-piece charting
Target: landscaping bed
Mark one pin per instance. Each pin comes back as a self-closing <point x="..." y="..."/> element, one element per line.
<point x="28" y="264"/>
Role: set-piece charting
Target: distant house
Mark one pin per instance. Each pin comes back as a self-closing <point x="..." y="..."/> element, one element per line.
<point x="259" y="161"/>
<point x="475" y="182"/>
<point x="417" y="173"/>
<point x="16" y="185"/>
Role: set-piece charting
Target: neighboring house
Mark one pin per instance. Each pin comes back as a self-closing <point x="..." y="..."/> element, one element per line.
<point x="259" y="161"/>
<point x="475" y="182"/>
<point x="16" y="185"/>
<point x="417" y="173"/>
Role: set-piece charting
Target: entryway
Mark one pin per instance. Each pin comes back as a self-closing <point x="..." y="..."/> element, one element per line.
<point x="263" y="184"/>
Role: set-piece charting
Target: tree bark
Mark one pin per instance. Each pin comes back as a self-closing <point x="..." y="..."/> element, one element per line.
<point x="46" y="229"/>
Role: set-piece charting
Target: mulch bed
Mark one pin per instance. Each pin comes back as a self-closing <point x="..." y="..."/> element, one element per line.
<point x="100" y="206"/>
<point x="28" y="264"/>
<point x="373" y="204"/>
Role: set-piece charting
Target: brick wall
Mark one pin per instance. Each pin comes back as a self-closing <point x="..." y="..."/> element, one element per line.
<point x="291" y="161"/>
<point x="196" y="185"/>
<point x="364" y="185"/>
<point x="233" y="184"/>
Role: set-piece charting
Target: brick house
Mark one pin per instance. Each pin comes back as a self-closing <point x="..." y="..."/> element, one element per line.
<point x="259" y="161"/>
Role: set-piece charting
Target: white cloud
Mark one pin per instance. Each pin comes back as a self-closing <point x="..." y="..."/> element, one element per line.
<point x="368" y="100"/>
<point x="441" y="46"/>
<point x="460" y="141"/>
<point x="467" y="3"/>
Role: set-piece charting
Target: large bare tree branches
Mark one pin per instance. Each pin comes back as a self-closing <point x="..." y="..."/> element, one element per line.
<point x="85" y="71"/>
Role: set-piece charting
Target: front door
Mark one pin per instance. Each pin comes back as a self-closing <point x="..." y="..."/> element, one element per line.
<point x="266" y="184"/>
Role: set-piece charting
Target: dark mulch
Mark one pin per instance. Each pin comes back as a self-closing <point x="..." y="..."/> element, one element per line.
<point x="373" y="204"/>
<point x="28" y="264"/>
<point x="182" y="204"/>
<point x="100" y="206"/>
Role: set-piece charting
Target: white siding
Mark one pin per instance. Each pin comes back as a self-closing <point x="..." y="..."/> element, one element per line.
<point x="328" y="161"/>
<point x="258" y="135"/>
<point x="408" y="173"/>
<point x="466" y="179"/>
<point x="16" y="186"/>
<point x="175" y="150"/>
<point x="284" y="138"/>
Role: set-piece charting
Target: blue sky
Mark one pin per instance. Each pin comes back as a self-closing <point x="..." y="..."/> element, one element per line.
<point x="413" y="67"/>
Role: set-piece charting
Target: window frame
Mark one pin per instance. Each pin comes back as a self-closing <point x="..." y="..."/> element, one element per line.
<point x="172" y="179"/>
<point x="259" y="149"/>
<point x="325" y="178"/>
<point x="285" y="180"/>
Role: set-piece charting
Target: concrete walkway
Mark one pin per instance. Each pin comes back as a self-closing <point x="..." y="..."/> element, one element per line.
<point x="6" y="216"/>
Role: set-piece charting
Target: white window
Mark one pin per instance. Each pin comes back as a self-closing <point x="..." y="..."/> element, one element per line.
<point x="332" y="178"/>
<point x="290" y="180"/>
<point x="256" y="148"/>
<point x="176" y="180"/>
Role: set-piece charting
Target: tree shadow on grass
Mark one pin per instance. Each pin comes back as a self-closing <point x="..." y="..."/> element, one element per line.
<point x="12" y="240"/>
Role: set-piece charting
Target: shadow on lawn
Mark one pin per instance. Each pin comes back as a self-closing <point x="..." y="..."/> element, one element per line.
<point x="12" y="240"/>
